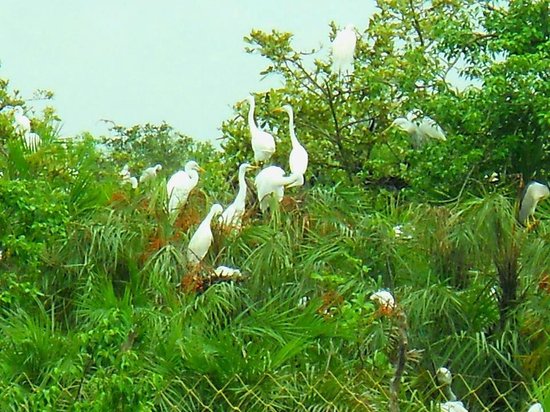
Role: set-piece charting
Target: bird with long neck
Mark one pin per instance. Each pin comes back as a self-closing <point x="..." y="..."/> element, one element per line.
<point x="272" y="181"/>
<point x="298" y="159"/>
<point x="263" y="143"/>
<point x="232" y="216"/>
<point x="445" y="379"/>
<point x="202" y="238"/>
<point x="533" y="193"/>
<point x="181" y="184"/>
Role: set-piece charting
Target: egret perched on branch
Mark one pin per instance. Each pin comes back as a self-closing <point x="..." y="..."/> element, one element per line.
<point x="445" y="378"/>
<point x="181" y="184"/>
<point x="21" y="122"/>
<point x="202" y="239"/>
<point x="150" y="173"/>
<point x="343" y="49"/>
<point x="272" y="180"/>
<point x="298" y="158"/>
<point x="533" y="193"/>
<point x="232" y="216"/>
<point x="420" y="132"/>
<point x="263" y="144"/>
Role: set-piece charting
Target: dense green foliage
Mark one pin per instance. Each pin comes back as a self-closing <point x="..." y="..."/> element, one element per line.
<point x="100" y="311"/>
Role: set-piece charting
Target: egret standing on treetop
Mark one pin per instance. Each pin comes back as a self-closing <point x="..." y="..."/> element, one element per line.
<point x="21" y="122"/>
<point x="263" y="144"/>
<point x="270" y="180"/>
<point x="180" y="185"/>
<point x="232" y="216"/>
<point x="202" y="239"/>
<point x="298" y="158"/>
<point x="533" y="193"/>
<point x="150" y="173"/>
<point x="343" y="49"/>
<point x="421" y="132"/>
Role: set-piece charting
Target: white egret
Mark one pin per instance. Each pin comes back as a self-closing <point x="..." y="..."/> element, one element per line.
<point x="343" y="49"/>
<point x="32" y="141"/>
<point x="420" y="132"/>
<point x="21" y="122"/>
<point x="263" y="143"/>
<point x="132" y="181"/>
<point x="202" y="239"/>
<point x="533" y="193"/>
<point x="298" y="158"/>
<point x="150" y="173"/>
<point x="385" y="299"/>
<point x="127" y="178"/>
<point x="232" y="216"/>
<point x="227" y="272"/>
<point x="536" y="407"/>
<point x="125" y="172"/>
<point x="272" y="180"/>
<point x="181" y="184"/>
<point x="445" y="379"/>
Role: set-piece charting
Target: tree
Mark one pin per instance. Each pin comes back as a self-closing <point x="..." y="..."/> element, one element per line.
<point x="405" y="60"/>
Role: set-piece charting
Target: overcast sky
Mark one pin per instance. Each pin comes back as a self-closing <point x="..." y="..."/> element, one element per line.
<point x="142" y="61"/>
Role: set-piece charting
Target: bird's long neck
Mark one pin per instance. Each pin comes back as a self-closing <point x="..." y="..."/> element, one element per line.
<point x="287" y="180"/>
<point x="293" y="137"/>
<point x="194" y="175"/>
<point x="208" y="219"/>
<point x="449" y="393"/>
<point x="251" y="122"/>
<point x="241" y="194"/>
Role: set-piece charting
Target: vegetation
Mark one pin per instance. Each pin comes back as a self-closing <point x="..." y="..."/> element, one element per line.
<point x="100" y="311"/>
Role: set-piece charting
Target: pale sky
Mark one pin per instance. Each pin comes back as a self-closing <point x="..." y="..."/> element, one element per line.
<point x="140" y="61"/>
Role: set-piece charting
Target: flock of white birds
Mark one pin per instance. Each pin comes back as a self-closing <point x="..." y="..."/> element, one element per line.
<point x="272" y="180"/>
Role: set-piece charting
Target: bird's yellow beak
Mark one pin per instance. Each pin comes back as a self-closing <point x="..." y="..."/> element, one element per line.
<point x="278" y="110"/>
<point x="201" y="170"/>
<point x="254" y="167"/>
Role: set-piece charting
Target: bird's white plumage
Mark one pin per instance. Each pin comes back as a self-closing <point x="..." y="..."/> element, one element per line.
<point x="272" y="180"/>
<point x="419" y="131"/>
<point x="202" y="238"/>
<point x="125" y="172"/>
<point x="444" y="376"/>
<point x="227" y="272"/>
<point x="536" y="407"/>
<point x="384" y="298"/>
<point x="150" y="173"/>
<point x="181" y="184"/>
<point x="21" y="122"/>
<point x="263" y="143"/>
<point x="298" y="159"/>
<point x="534" y="192"/>
<point x="233" y="214"/>
<point x="445" y="379"/>
<point x="132" y="181"/>
<point x="343" y="49"/>
<point x="452" y="406"/>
